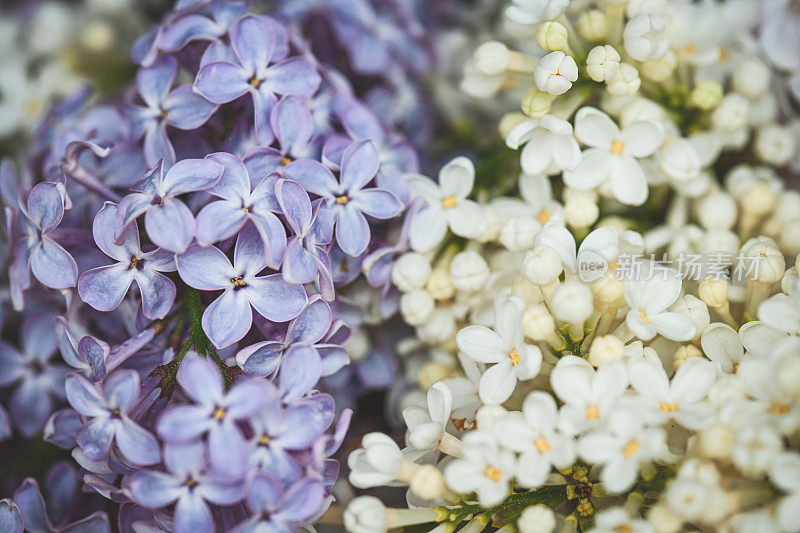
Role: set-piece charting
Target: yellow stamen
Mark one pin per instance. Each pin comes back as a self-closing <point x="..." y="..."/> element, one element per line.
<point x="493" y="473"/>
<point x="669" y="407"/>
<point x="254" y="82"/>
<point x="285" y="160"/>
<point x="780" y="408"/>
<point x="630" y="449"/>
<point x="543" y="216"/>
<point x="612" y="265"/>
<point x="617" y="147"/>
<point x="623" y="528"/>
<point x="643" y="316"/>
<point x="514" y="355"/>
<point x="690" y="49"/>
<point x="238" y="281"/>
<point x="343" y="199"/>
<point x="449" y="201"/>
<point x="218" y="414"/>
<point x="542" y="445"/>
<point x="264" y="440"/>
<point x="592" y="412"/>
<point x="735" y="368"/>
<point x="724" y="54"/>
<point x="134" y="263"/>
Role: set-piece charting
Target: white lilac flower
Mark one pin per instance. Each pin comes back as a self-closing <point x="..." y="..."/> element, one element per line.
<point x="617" y="519"/>
<point x="589" y="396"/>
<point x="555" y="73"/>
<point x="378" y="462"/>
<point x="649" y="296"/>
<point x="644" y="37"/>
<point x="504" y="347"/>
<point x="597" y="251"/>
<point x="485" y="469"/>
<point x="426" y="427"/>
<point x="445" y="205"/>
<point x="537" y="202"/>
<point x="613" y="155"/>
<point x="534" y="435"/>
<point x="549" y="145"/>
<point x="529" y="12"/>
<point x="681" y="399"/>
<point x="621" y="446"/>
<point x="785" y="473"/>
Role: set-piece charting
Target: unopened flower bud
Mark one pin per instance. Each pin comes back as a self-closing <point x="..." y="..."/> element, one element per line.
<point x="428" y="483"/>
<point x="663" y="519"/>
<point x="508" y="122"/>
<point x="731" y="114"/>
<point x="439" y="284"/>
<point x="775" y="145"/>
<point x="602" y="62"/>
<point x="706" y="95"/>
<point x="572" y="303"/>
<point x="439" y="328"/>
<point x="468" y="271"/>
<point x="717" y="210"/>
<point x="759" y="200"/>
<point x="751" y="78"/>
<point x="365" y="514"/>
<point x="432" y="372"/>
<point x="609" y="290"/>
<point x="714" y="292"/>
<point x="555" y="73"/>
<point x="762" y="261"/>
<point x="542" y="265"/>
<point x="606" y="349"/>
<point x="592" y="25"/>
<point x="538" y="323"/>
<point x="416" y="307"/>
<point x="678" y="159"/>
<point x="536" y="103"/>
<point x="695" y="309"/>
<point x="684" y="353"/>
<point x="552" y="36"/>
<point x="716" y="441"/>
<point x="537" y="519"/>
<point x="581" y="213"/>
<point x="644" y="37"/>
<point x="411" y="271"/>
<point x="624" y="81"/>
<point x="357" y="345"/>
<point x="492" y="58"/>
<point x="660" y="69"/>
<point x="518" y="233"/>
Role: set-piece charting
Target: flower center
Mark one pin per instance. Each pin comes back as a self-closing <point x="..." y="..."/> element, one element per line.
<point x="514" y="355"/>
<point x="190" y="482"/>
<point x="254" y="82"/>
<point x="134" y="263"/>
<point x="643" y="316"/>
<point x="238" y="282"/>
<point x="343" y="199"/>
<point x="264" y="440"/>
<point x="543" y="216"/>
<point x="780" y="408"/>
<point x="449" y="201"/>
<point x="218" y="414"/>
<point x="630" y="449"/>
<point x="622" y="528"/>
<point x="542" y="444"/>
<point x="592" y="412"/>
<point x="493" y="473"/>
<point x="617" y="147"/>
<point x="285" y="160"/>
<point x="669" y="407"/>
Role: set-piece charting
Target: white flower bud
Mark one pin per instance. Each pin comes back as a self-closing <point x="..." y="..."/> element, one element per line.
<point x="488" y="414"/>
<point x="763" y="110"/>
<point x="536" y="103"/>
<point x="416" y="307"/>
<point x="731" y="114"/>
<point x="644" y="37"/>
<point x="411" y="271"/>
<point x="678" y="159"/>
<point x="716" y="210"/>
<point x="508" y="122"/>
<point x="492" y="58"/>
<point x="609" y="290"/>
<point x="790" y="238"/>
<point x="758" y="200"/>
<point x="538" y="323"/>
<point x="493" y="224"/>
<point x="440" y="327"/>
<point x="439" y="284"/>
<point x="706" y="95"/>
<point x="469" y="271"/>
<point x="714" y="292"/>
<point x="581" y="212"/>
<point x="751" y="78"/>
<point x="555" y="73"/>
<point x="762" y="261"/>
<point x="695" y="309"/>
<point x="365" y="514"/>
<point x="428" y="483"/>
<point x="518" y="233"/>
<point x="684" y="353"/>
<point x="542" y="265"/>
<point x="592" y="25"/>
<point x="377" y="463"/>
<point x="663" y="520"/>
<point x="624" y="81"/>
<point x="602" y="62"/>
<point x="716" y="441"/>
<point x="775" y="145"/>
<point x="552" y="36"/>
<point x="606" y="349"/>
<point x="788" y="207"/>
<point x="537" y="519"/>
<point x="572" y="303"/>
<point x="660" y="69"/>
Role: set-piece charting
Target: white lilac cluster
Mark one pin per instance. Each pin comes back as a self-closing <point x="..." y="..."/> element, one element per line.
<point x="610" y="339"/>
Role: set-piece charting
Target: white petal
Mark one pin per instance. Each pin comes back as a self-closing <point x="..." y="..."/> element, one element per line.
<point x="457" y="177"/>
<point x="530" y="362"/>
<point x="649" y="379"/>
<point x="628" y="181"/>
<point x="428" y="228"/>
<point x="674" y="326"/>
<point x="594" y="169"/>
<point x="721" y="344"/>
<point x="481" y="344"/>
<point x="595" y="128"/>
<point x="440" y="402"/>
<point x="497" y="383"/>
<point x="424" y="187"/>
<point x="466" y="219"/>
<point x="521" y="133"/>
<point x="642" y="138"/>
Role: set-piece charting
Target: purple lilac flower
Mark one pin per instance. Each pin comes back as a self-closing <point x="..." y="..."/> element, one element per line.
<point x="187" y="483"/>
<point x="224" y="218"/>
<point x="278" y="510"/>
<point x="195" y="26"/>
<point x="229" y="317"/>
<point x="10" y="517"/>
<point x="215" y="412"/>
<point x="104" y="287"/>
<point x="306" y="252"/>
<point x="253" y="45"/>
<point x="108" y="418"/>
<point x="302" y="357"/>
<point x="180" y="108"/>
<point x="346" y="200"/>
<point x="36" y="250"/>
<point x="88" y="354"/>
<point x="40" y="380"/>
<point x="169" y="223"/>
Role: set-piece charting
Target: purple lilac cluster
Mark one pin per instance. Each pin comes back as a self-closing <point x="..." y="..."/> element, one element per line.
<point x="178" y="263"/>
